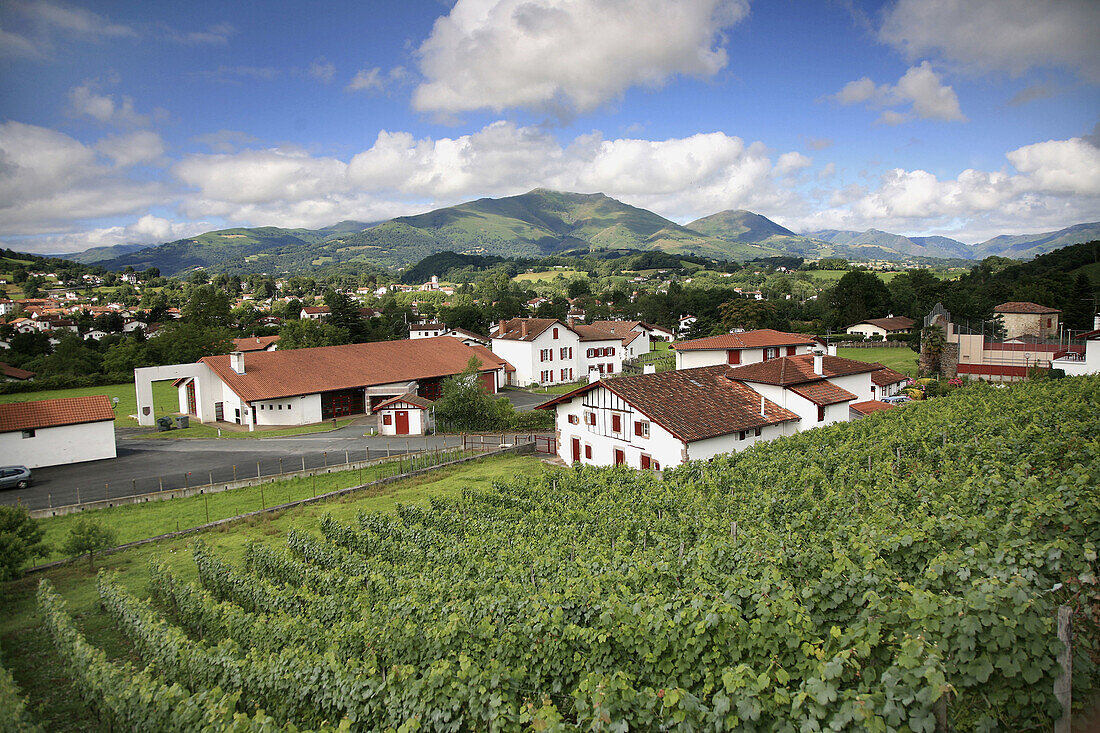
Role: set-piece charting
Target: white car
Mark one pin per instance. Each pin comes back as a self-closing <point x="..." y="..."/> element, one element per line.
<point x="897" y="399"/>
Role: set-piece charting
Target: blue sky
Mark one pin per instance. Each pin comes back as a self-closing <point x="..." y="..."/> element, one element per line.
<point x="147" y="122"/>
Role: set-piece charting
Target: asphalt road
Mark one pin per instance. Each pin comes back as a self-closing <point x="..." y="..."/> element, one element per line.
<point x="143" y="466"/>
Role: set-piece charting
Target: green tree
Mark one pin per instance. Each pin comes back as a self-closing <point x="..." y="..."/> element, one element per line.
<point x="857" y="296"/>
<point x="344" y="314"/>
<point x="465" y="405"/>
<point x="88" y="536"/>
<point x="127" y="355"/>
<point x="20" y="540"/>
<point x="207" y="307"/>
<point x="748" y="313"/>
<point x="71" y="356"/>
<point x="184" y="342"/>
<point x="306" y="334"/>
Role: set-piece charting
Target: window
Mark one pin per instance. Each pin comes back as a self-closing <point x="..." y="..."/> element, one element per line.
<point x="28" y="433"/>
<point x="616" y="423"/>
<point x="821" y="413"/>
<point x="611" y="351"/>
<point x="771" y="353"/>
<point x="546" y="375"/>
<point x="573" y="419"/>
<point x="280" y="407"/>
<point x="589" y="417"/>
<point x="743" y="434"/>
<point x="656" y="466"/>
<point x="620" y="457"/>
<point x="555" y="333"/>
<point x="1049" y="322"/>
<point x="546" y="355"/>
<point x="590" y="353"/>
<point x="565" y="353"/>
<point x="288" y="406"/>
<point x="757" y="432"/>
<point x="387" y="418"/>
<point x="733" y="356"/>
<point x="588" y="451"/>
<point x="610" y="368"/>
<point x="791" y="350"/>
<point x="644" y="462"/>
<point x="641" y="428"/>
<point x="564" y="375"/>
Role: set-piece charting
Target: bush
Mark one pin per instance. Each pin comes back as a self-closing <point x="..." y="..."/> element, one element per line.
<point x="65" y="381"/>
<point x="20" y="540"/>
<point x="87" y="537"/>
<point x="535" y="420"/>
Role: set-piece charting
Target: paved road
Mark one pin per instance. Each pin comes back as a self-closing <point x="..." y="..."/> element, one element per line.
<point x="143" y="466"/>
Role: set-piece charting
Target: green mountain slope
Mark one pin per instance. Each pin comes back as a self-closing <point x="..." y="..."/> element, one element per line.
<point x="97" y="255"/>
<point x="1027" y="246"/>
<point x="877" y="244"/>
<point x="746" y="228"/>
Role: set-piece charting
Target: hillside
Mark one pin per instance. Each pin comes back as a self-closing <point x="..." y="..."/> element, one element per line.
<point x="98" y="255"/>
<point x="745" y="227"/>
<point x="877" y="244"/>
<point x="1026" y="246"/>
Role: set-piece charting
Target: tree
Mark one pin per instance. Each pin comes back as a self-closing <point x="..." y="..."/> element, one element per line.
<point x="207" y="307"/>
<point x="20" y="540"/>
<point x="857" y="296"/>
<point x="183" y="343"/>
<point x="306" y="334"/>
<point x="344" y="314"/>
<point x="933" y="341"/>
<point x="87" y="537"/>
<point x="465" y="405"/>
<point x="748" y="313"/>
<point x="127" y="355"/>
<point x="578" y="287"/>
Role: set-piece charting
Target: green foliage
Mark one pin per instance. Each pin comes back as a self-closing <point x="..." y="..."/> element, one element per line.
<point x="88" y="536"/>
<point x="749" y="314"/>
<point x="20" y="540"/>
<point x="466" y="406"/>
<point x="13" y="707"/>
<point x="857" y="296"/>
<point x="306" y="334"/>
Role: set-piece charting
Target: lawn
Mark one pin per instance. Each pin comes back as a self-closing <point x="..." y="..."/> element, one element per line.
<point x="901" y="359"/>
<point x="27" y="651"/>
<point x="547" y="275"/>
<point x="830" y="277"/>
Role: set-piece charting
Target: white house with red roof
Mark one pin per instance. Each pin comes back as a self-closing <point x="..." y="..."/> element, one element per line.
<point x="746" y="347"/>
<point x="303" y="386"/>
<point x="548" y="351"/>
<point x="882" y="328"/>
<point x="256" y="343"/>
<point x="406" y="414"/>
<point x="54" y="432"/>
<point x="427" y="330"/>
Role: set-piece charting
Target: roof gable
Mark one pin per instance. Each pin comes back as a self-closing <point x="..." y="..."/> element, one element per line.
<point x="54" y="413"/>
<point x="1016" y="306"/>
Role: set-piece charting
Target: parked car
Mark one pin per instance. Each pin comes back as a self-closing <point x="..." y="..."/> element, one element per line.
<point x="896" y="399"/>
<point x="15" y="477"/>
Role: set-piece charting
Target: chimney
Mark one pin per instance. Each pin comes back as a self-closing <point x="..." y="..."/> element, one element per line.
<point x="500" y="328"/>
<point x="236" y="362"/>
<point x="762" y="413"/>
<point x="593" y="376"/>
<point x="819" y="362"/>
<point x="523" y="328"/>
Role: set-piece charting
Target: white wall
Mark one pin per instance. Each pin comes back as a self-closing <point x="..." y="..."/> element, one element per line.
<point x="701" y="450"/>
<point x="866" y="329"/>
<point x="1090" y="365"/>
<point x="524" y="356"/>
<point x="301" y="410"/>
<point x="418" y="420"/>
<point x="59" y="445"/>
<point x="710" y="357"/>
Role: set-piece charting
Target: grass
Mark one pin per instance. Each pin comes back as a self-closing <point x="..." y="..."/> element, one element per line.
<point x="830" y="277"/>
<point x="547" y="275"/>
<point x="199" y="430"/>
<point x="27" y="650"/>
<point x="900" y="359"/>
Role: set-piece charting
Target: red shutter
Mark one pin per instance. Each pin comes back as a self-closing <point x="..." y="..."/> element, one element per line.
<point x="820" y="413"/>
<point x="620" y="457"/>
<point x="733" y="356"/>
<point x="791" y="350"/>
<point x="616" y="423"/>
<point x="637" y="427"/>
<point x="588" y="451"/>
<point x="645" y="461"/>
<point x="555" y="333"/>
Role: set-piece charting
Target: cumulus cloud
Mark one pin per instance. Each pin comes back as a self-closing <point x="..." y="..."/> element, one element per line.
<point x="148" y="229"/>
<point x="87" y="101"/>
<point x="566" y="54"/>
<point x="998" y="35"/>
<point x="143" y="146"/>
<point x="920" y="88"/>
<point x="49" y="181"/>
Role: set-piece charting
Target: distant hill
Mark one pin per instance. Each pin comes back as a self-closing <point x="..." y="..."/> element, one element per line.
<point x="746" y="227"/>
<point x="1027" y="246"/>
<point x="97" y="255"/>
<point x="877" y="244"/>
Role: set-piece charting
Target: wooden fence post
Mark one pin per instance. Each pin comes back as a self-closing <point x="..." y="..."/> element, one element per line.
<point x="1063" y="685"/>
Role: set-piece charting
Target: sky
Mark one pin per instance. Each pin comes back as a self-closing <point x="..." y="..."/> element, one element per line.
<point x="138" y="122"/>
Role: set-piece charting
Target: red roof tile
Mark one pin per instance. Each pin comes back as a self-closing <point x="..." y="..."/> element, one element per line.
<point x="894" y="323"/>
<point x="823" y="393"/>
<point x="748" y="340"/>
<point x="525" y="329"/>
<point x="1023" y="307"/>
<point x="7" y="370"/>
<point x="254" y="343"/>
<point x="52" y="413"/>
<point x="692" y="404"/>
<point x="885" y="376"/>
<point x="408" y="397"/>
<point x="868" y="406"/>
<point x="274" y="374"/>
<point x="790" y="370"/>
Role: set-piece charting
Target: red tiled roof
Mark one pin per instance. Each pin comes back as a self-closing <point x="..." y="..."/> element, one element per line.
<point x="885" y="376"/>
<point x="254" y="343"/>
<point x="434" y="326"/>
<point x="868" y="406"/>
<point x="692" y="404"/>
<point x="748" y="340"/>
<point x="52" y="413"/>
<point x="1023" y="307"/>
<point x="600" y="333"/>
<point x="514" y="329"/>
<point x="894" y="323"/>
<point x="790" y="370"/>
<point x="7" y="370"/>
<point x="408" y="397"/>
<point x="823" y="393"/>
<point x="315" y="309"/>
<point x="274" y="374"/>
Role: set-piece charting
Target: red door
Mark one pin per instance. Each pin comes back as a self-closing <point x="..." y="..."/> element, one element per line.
<point x="402" y="422"/>
<point x="191" y="409"/>
<point x="620" y="457"/>
<point x="576" y="450"/>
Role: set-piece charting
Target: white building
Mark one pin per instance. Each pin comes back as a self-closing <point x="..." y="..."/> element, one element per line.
<point x="882" y="328"/>
<point x="547" y="351"/>
<point x="686" y="322"/>
<point x="303" y="386"/>
<point x="747" y="347"/>
<point x="314" y="312"/>
<point x="406" y="414"/>
<point x="1074" y="364"/>
<point x="426" y="330"/>
<point x="53" y="432"/>
<point x="656" y="421"/>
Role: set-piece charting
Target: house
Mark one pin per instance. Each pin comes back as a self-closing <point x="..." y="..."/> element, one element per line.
<point x="860" y="410"/>
<point x="314" y="312"/>
<point x="882" y="328"/>
<point x="8" y="373"/>
<point x="885" y="382"/>
<point x="95" y="335"/>
<point x="1030" y="319"/>
<point x="132" y="324"/>
<point x="426" y="330"/>
<point x="6" y="306"/>
<point x="269" y="321"/>
<point x="651" y="331"/>
<point x="53" y="432"/>
<point x="256" y="343"/>
<point x="633" y="336"/>
<point x="686" y="322"/>
<point x="548" y="351"/>
<point x="818" y="388"/>
<point x="747" y="347"/>
<point x="303" y="386"/>
<point x="1076" y="364"/>
<point x="655" y="421"/>
<point x="406" y="414"/>
<point x="468" y="337"/>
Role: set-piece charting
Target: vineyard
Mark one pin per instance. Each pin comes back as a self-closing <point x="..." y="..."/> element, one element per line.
<point x="872" y="575"/>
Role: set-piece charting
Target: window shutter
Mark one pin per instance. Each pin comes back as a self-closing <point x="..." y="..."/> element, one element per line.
<point x="733" y="356"/>
<point x="616" y="423"/>
<point x="637" y="427"/>
<point x="791" y="350"/>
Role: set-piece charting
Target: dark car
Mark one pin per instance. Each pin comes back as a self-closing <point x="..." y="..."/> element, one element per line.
<point x="15" y="477"/>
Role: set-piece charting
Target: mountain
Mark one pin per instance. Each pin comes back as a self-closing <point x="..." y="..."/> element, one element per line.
<point x="877" y="244"/>
<point x="97" y="255"/>
<point x="744" y="227"/>
<point x="1027" y="246"/>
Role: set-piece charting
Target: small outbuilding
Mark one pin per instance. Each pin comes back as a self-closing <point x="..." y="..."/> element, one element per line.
<point x="406" y="414"/>
<point x="54" y="432"/>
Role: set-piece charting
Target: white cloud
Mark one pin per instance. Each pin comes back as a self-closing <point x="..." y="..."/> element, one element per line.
<point x="792" y="162"/>
<point x="998" y="35"/>
<point x="225" y="141"/>
<point x="322" y="70"/>
<point x="148" y="229"/>
<point x="566" y="54"/>
<point x="49" y="181"/>
<point x="920" y="87"/>
<point x="215" y="35"/>
<point x="1064" y="166"/>
<point x="366" y="80"/>
<point x="86" y="100"/>
<point x="143" y="146"/>
<point x="15" y="45"/>
<point x="59" y="17"/>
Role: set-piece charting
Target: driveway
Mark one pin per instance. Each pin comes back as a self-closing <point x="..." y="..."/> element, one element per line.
<point x="144" y="466"/>
<point x="525" y="401"/>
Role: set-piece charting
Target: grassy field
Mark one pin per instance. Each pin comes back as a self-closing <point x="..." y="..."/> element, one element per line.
<point x="27" y="650"/>
<point x="547" y="275"/>
<point x="830" y="277"/>
<point x="902" y="360"/>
